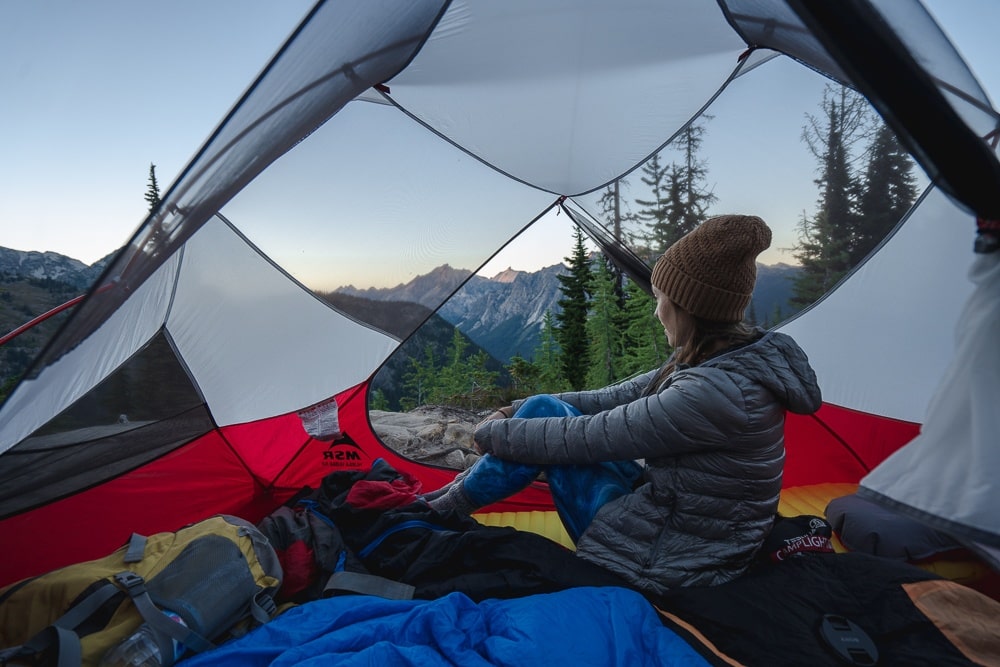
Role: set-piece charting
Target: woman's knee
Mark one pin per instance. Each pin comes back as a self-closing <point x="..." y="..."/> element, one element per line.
<point x="545" y="405"/>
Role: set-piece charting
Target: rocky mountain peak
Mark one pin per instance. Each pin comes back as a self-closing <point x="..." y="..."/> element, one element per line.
<point x="508" y="275"/>
<point x="47" y="265"/>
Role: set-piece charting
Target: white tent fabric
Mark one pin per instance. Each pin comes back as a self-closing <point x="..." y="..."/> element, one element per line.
<point x="947" y="475"/>
<point x="887" y="315"/>
<point x="127" y="330"/>
<point x="258" y="344"/>
<point x="550" y="112"/>
<point x="222" y="304"/>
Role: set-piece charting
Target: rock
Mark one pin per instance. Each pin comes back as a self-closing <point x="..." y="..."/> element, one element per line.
<point x="437" y="434"/>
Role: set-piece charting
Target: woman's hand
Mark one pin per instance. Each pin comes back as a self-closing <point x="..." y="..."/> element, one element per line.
<point x="501" y="413"/>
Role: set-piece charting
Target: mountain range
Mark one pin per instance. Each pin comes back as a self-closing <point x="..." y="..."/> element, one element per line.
<point x="17" y="264"/>
<point x="502" y="315"/>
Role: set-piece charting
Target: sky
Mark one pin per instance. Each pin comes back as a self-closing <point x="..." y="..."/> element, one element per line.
<point x="95" y="92"/>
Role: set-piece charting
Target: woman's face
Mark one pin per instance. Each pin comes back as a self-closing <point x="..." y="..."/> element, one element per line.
<point x="670" y="316"/>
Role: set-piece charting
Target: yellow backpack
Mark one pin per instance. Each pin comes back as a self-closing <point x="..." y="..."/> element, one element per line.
<point x="219" y="576"/>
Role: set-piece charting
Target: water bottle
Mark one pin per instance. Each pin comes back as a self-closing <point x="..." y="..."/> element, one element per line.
<point x="141" y="649"/>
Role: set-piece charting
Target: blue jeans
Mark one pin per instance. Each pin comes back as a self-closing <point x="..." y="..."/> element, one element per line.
<point x="578" y="491"/>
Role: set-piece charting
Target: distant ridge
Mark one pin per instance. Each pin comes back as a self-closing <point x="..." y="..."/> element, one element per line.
<point x="49" y="265"/>
<point x="503" y="315"/>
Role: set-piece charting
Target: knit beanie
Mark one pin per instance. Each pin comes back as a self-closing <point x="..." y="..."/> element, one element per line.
<point x="710" y="272"/>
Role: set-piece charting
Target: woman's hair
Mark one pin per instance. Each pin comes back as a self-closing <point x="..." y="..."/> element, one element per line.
<point x="708" y="338"/>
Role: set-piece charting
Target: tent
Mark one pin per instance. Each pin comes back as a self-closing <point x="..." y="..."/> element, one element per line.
<point x="178" y="388"/>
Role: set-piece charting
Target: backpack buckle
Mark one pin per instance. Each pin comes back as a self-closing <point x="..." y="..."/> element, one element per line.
<point x="265" y="603"/>
<point x="131" y="582"/>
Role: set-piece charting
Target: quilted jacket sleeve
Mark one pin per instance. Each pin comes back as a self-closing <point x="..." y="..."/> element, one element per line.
<point x="699" y="411"/>
<point x="606" y="398"/>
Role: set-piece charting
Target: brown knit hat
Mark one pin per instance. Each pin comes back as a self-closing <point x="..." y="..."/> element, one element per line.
<point x="710" y="272"/>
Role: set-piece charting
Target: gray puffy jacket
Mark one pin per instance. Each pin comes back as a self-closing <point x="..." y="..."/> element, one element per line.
<point x="712" y="438"/>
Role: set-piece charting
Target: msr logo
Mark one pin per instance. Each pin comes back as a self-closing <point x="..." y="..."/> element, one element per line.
<point x="344" y="453"/>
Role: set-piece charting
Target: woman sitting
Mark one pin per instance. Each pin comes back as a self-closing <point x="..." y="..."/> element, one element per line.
<point x="708" y="428"/>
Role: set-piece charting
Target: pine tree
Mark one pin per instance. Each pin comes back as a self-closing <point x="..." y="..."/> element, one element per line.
<point x="680" y="198"/>
<point x="695" y="196"/>
<point x="463" y="379"/>
<point x="604" y="329"/>
<point x="482" y="383"/>
<point x="644" y="342"/>
<point x="826" y="240"/>
<point x="548" y="358"/>
<point x="420" y="380"/>
<point x="378" y="401"/>
<point x="655" y="212"/>
<point x="452" y="380"/>
<point x="153" y="189"/>
<point x="751" y="314"/>
<point x="615" y="210"/>
<point x="889" y="190"/>
<point x="572" y="330"/>
<point x="776" y="318"/>
<point x="525" y="375"/>
<point x="612" y="205"/>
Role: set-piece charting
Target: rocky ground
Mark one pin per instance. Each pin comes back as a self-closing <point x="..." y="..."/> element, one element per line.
<point x="435" y="434"/>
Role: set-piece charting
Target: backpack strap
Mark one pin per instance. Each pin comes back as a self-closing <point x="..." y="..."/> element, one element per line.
<point x="263" y="608"/>
<point x="66" y="642"/>
<point x="367" y="584"/>
<point x="62" y="632"/>
<point x="135" y="586"/>
<point x="136" y="548"/>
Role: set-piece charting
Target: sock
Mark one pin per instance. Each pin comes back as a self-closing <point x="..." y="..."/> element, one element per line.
<point x="454" y="499"/>
<point x="432" y="495"/>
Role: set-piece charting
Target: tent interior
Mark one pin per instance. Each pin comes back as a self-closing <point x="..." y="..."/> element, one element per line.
<point x="388" y="138"/>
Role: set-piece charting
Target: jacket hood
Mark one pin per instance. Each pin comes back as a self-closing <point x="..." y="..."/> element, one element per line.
<point x="778" y="363"/>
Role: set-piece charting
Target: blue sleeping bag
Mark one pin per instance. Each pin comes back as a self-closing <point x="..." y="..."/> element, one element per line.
<point x="604" y="626"/>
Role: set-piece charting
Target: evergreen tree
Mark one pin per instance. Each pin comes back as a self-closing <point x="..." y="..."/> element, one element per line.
<point x="153" y="189"/>
<point x="812" y="281"/>
<point x="675" y="209"/>
<point x="452" y="379"/>
<point x="420" y="381"/>
<point x="462" y="380"/>
<point x="655" y="212"/>
<point x="548" y="358"/>
<point x="644" y="341"/>
<point x="776" y="318"/>
<point x="617" y="212"/>
<point x="481" y="383"/>
<point x="695" y="197"/>
<point x="525" y="375"/>
<point x="889" y="190"/>
<point x="604" y="329"/>
<point x="825" y="243"/>
<point x="378" y="401"/>
<point x="572" y="330"/>
<point x="680" y="198"/>
<point x="751" y="314"/>
<point x="612" y="204"/>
